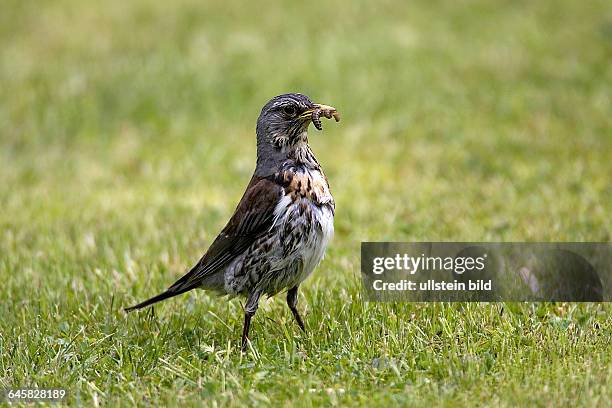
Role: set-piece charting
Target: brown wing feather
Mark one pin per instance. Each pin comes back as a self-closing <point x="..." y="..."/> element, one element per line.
<point x="253" y="216"/>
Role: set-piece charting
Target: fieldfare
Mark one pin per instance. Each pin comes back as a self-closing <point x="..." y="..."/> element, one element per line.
<point x="283" y="223"/>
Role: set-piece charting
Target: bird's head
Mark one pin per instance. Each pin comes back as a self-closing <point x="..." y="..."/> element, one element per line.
<point x="284" y="120"/>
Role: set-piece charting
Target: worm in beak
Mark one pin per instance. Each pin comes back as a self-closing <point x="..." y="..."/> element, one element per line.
<point x="322" y="110"/>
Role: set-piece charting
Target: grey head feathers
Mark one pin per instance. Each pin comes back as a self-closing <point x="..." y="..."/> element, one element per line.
<point x="280" y="127"/>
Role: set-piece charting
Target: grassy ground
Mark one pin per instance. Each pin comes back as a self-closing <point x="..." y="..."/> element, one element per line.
<point x="127" y="137"/>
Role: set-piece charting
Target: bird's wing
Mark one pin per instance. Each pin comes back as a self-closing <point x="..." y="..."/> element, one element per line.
<point x="253" y="216"/>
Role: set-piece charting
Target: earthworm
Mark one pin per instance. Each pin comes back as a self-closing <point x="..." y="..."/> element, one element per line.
<point x="316" y="116"/>
<point x="316" y="120"/>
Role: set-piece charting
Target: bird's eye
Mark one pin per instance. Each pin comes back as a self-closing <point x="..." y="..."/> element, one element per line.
<point x="289" y="110"/>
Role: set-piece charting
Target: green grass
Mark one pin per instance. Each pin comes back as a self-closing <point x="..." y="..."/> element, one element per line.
<point x="127" y="137"/>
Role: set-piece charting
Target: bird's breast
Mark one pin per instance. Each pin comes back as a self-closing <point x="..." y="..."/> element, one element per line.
<point x="305" y="183"/>
<point x="303" y="229"/>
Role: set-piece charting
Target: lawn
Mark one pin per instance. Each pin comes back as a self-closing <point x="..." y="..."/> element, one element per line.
<point x="127" y="138"/>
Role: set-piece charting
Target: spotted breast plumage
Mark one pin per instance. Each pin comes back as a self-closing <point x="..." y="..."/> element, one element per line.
<point x="283" y="223"/>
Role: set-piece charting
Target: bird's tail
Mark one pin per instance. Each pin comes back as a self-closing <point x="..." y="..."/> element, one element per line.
<point x="180" y="286"/>
<point x="162" y="296"/>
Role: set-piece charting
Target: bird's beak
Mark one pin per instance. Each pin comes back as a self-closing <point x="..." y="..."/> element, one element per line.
<point x="320" y="107"/>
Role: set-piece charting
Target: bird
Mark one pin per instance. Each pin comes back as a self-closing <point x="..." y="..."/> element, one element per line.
<point x="283" y="223"/>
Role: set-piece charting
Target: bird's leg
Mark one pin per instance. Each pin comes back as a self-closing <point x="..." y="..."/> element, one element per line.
<point x="292" y="300"/>
<point x="249" y="311"/>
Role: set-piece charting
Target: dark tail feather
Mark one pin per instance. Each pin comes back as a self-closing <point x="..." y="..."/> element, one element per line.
<point x="162" y="296"/>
